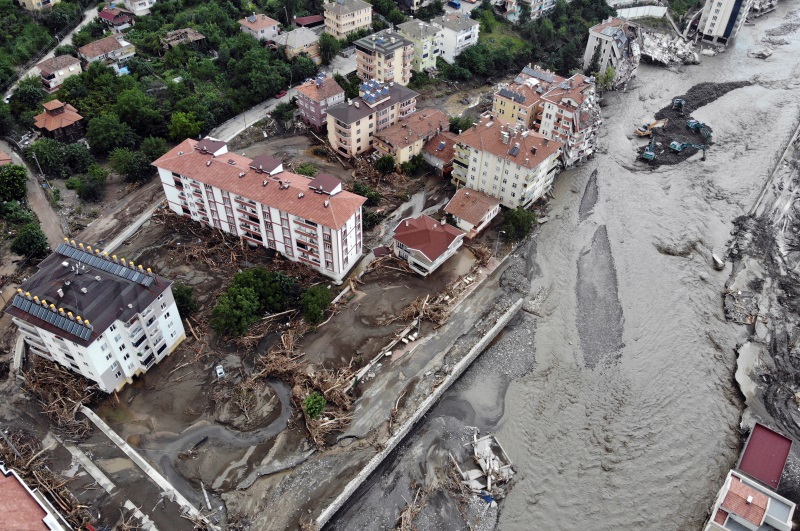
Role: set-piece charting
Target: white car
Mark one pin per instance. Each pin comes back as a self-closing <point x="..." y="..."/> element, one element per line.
<point x="220" y="371"/>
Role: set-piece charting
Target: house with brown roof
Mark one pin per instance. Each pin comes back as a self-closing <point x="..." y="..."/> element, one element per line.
<point x="425" y="243"/>
<point x="60" y="121"/>
<point x="311" y="21"/>
<point x="408" y="136"/>
<point x="315" y="96"/>
<point x="440" y="151"/>
<point x="56" y="69"/>
<point x="112" y="50"/>
<point x="298" y="41"/>
<point x="472" y="210"/>
<point x="260" y="27"/>
<point x="181" y="36"/>
<point x="312" y="221"/>
<point x="743" y="504"/>
<point x="23" y="508"/>
<point x="116" y="19"/>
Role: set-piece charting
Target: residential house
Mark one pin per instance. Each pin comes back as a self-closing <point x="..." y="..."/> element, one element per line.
<point x="5" y="158"/>
<point x="407" y="137"/>
<point x="300" y="40"/>
<point x="616" y="44"/>
<point x="472" y="210"/>
<point x="343" y="17"/>
<point x="426" y="38"/>
<point x="100" y="316"/>
<point x="139" y="7"/>
<point x="440" y="151"/>
<point x="312" y="221"/>
<point x="24" y="508"/>
<point x="351" y="125"/>
<point x="506" y="161"/>
<point x="56" y="69"/>
<point x="180" y="37"/>
<point x="744" y="505"/>
<point x="385" y="57"/>
<point x="37" y="5"/>
<point x="512" y="8"/>
<point x="113" y="50"/>
<point x="721" y="20"/>
<point x="312" y="21"/>
<point x="60" y="121"/>
<point x="459" y="32"/>
<point x="260" y="27"/>
<point x="116" y="19"/>
<point x="425" y="243"/>
<point x="315" y="96"/>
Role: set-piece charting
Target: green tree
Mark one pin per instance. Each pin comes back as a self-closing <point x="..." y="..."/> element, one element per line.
<point x="78" y="158"/>
<point x="89" y="33"/>
<point x="106" y="133"/>
<point x="524" y="13"/>
<point x="307" y="169"/>
<point x="518" y="223"/>
<point x="314" y="405"/>
<point x="184" y="299"/>
<point x="66" y="49"/>
<point x="364" y="190"/>
<point x="350" y="87"/>
<point x="153" y="147"/>
<point x="13" y="179"/>
<point x="314" y="302"/>
<point x="27" y="96"/>
<point x="303" y="67"/>
<point x="6" y="118"/>
<point x="15" y="212"/>
<point x="140" y="111"/>
<point x="49" y="154"/>
<point x="184" y="125"/>
<point x="275" y="291"/>
<point x="134" y="166"/>
<point x="385" y="165"/>
<point x="461" y="123"/>
<point x="31" y="242"/>
<point x="283" y="112"/>
<point x="91" y="185"/>
<point x="329" y="47"/>
<point x="235" y="311"/>
<point x="606" y="80"/>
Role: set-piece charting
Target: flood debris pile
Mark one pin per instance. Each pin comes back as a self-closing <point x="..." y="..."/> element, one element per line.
<point x="491" y="478"/>
<point x="667" y="49"/>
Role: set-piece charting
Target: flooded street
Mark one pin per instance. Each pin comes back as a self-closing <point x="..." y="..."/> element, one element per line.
<point x="614" y="396"/>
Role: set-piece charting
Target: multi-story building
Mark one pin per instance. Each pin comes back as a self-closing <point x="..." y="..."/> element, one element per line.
<point x="426" y="38"/>
<point x="409" y="135"/>
<point x="385" y="57"/>
<point x="512" y="8"/>
<point x="425" y="243"/>
<point x="506" y="161"/>
<point x="112" y="50"/>
<point x="139" y="7"/>
<point x="439" y="152"/>
<point x="351" y="125"/>
<point x="37" y="5"/>
<point x="300" y="40"/>
<point x="459" y="32"/>
<point x="517" y="103"/>
<point x="613" y="43"/>
<point x="315" y="96"/>
<point x="56" y="69"/>
<point x="260" y="27"/>
<point x="104" y="318"/>
<point x="722" y="19"/>
<point x="312" y="221"/>
<point x="343" y="17"/>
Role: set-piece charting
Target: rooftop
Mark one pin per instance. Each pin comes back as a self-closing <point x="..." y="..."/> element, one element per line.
<point x="79" y="292"/>
<point x="343" y="7"/>
<point x="20" y="508"/>
<point x="743" y="500"/>
<point x="182" y="36"/>
<point x="496" y="136"/>
<point x="426" y="235"/>
<point x="424" y="123"/>
<point x="520" y="93"/>
<point x="442" y="146"/>
<point x="609" y="23"/>
<point x="471" y="205"/>
<point x="309" y="20"/>
<point x="297" y="38"/>
<point x="320" y="88"/>
<point x="455" y="22"/>
<point x="556" y="89"/>
<point x="258" y="22"/>
<point x="418" y="29"/>
<point x="56" y="116"/>
<point x="117" y="15"/>
<point x="765" y="455"/>
<point x="54" y="64"/>
<point x="349" y="112"/>
<point x="102" y="46"/>
<point x="386" y="41"/>
<point x="285" y="191"/>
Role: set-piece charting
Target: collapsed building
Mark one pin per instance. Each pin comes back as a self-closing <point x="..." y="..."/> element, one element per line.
<point x="614" y="43"/>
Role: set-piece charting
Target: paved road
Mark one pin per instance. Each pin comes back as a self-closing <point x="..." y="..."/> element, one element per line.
<point x="237" y="124"/>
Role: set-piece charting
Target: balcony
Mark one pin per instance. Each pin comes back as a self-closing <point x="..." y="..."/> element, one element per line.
<point x="250" y="228"/>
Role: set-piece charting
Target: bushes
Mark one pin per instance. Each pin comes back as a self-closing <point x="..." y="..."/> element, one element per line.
<point x="385" y="165"/>
<point x="13" y="179"/>
<point x="134" y="166"/>
<point x="31" y="242"/>
<point x="184" y="299"/>
<point x="236" y="310"/>
<point x="371" y="219"/>
<point x="373" y="197"/>
<point x="14" y="212"/>
<point x="518" y="223"/>
<point x="314" y="302"/>
<point x="314" y="405"/>
<point x="91" y="185"/>
<point x="307" y="169"/>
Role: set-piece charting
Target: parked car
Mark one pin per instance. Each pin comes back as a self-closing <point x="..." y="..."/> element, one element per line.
<point x="455" y="4"/>
<point x="280" y="94"/>
<point x="220" y="371"/>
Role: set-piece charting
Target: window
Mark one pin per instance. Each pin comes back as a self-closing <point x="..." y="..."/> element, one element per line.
<point x="163" y="305"/>
<point x="112" y="328"/>
<point x="166" y="315"/>
<point x="117" y="374"/>
<point x="115" y="365"/>
<point x="170" y="324"/>
<point x="103" y="347"/>
<point x="117" y="337"/>
<point x="108" y="357"/>
<point x="157" y="298"/>
<point x="126" y="357"/>
<point x="122" y="347"/>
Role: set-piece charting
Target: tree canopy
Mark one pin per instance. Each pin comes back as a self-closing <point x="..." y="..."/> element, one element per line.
<point x="31" y="241"/>
<point x="13" y="179"/>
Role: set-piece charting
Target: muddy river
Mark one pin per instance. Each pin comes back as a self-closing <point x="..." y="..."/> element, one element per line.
<point x="616" y="400"/>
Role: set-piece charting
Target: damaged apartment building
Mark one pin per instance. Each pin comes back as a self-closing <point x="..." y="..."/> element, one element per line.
<point x="617" y="44"/>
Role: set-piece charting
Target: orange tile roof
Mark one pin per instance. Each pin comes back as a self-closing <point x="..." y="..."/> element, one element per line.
<point x="531" y="98"/>
<point x="424" y="123"/>
<point x="218" y="172"/>
<point x="5" y="158"/>
<point x="18" y="509"/>
<point x="100" y="47"/>
<point x="487" y="135"/>
<point x="471" y="205"/>
<point x="426" y="235"/>
<point x="258" y="22"/>
<point x="51" y="119"/>
<point x="736" y="502"/>
<point x="447" y="153"/>
<point x="327" y="89"/>
<point x="721" y="516"/>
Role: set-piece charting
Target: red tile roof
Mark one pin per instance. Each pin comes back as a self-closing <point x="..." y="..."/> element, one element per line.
<point x="54" y="64"/>
<point x="5" y="158"/>
<point x="736" y="502"/>
<point x="258" y="22"/>
<point x="100" y="47"/>
<point x="18" y="509"/>
<point x="312" y="19"/>
<point x="426" y="235"/>
<point x="327" y="89"/>
<point x="444" y="153"/>
<point x="117" y="16"/>
<point x="56" y="116"/>
<point x="765" y="455"/>
<point x="425" y="123"/>
<point x="721" y="516"/>
<point x="471" y="205"/>
<point x="239" y="178"/>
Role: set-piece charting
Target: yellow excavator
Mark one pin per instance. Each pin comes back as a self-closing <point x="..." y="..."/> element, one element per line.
<point x="647" y="129"/>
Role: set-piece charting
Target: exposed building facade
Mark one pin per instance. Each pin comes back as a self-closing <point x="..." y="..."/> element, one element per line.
<point x="112" y="50"/>
<point x="23" y="508"/>
<point x="472" y="210"/>
<point x="613" y="43"/>
<point x="56" y="69"/>
<point x="459" y="32"/>
<point x="408" y="136"/>
<point x="260" y="27"/>
<point x="99" y="316"/>
<point x="425" y="243"/>
<point x="743" y="504"/>
<point x="60" y="121"/>
<point x="512" y="8"/>
<point x="312" y="221"/>
<point x="37" y="5"/>
<point x="139" y="7"/>
<point x="426" y="38"/>
<point x="351" y="125"/>
<point x="315" y="96"/>
<point x="721" y="20"/>
<point x="508" y="162"/>
<point x="386" y="57"/>
<point x="343" y="17"/>
<point x="298" y="41"/>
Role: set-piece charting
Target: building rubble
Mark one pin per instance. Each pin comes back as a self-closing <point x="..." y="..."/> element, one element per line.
<point x="668" y="49"/>
<point x="490" y="481"/>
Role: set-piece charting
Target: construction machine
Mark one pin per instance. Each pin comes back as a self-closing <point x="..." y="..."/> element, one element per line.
<point x="647" y="129"/>
<point x="649" y="152"/>
<point x="677" y="147"/>
<point x="679" y="104"/>
<point x="698" y="126"/>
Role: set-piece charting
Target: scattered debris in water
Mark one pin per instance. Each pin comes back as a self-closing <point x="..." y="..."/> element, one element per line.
<point x="495" y="469"/>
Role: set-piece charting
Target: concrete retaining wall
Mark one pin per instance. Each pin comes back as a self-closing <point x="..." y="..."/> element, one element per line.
<point x="642" y="12"/>
<point x="426" y="405"/>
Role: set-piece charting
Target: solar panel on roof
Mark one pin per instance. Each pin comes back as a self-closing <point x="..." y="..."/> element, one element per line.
<point x="538" y="74"/>
<point x="442" y="145"/>
<point x="105" y="265"/>
<point x="514" y="151"/>
<point x="49" y="316"/>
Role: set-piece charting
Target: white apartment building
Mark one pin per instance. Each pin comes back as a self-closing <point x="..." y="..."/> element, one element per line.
<point x="100" y="316"/>
<point x="343" y="17"/>
<point x="351" y="125"/>
<point x="538" y="8"/>
<point x="260" y="27"/>
<point x="510" y="163"/>
<point x="385" y="57"/>
<point x="722" y="19"/>
<point x="139" y="7"/>
<point x="426" y="38"/>
<point x="617" y="44"/>
<point x="459" y="32"/>
<point x="312" y="221"/>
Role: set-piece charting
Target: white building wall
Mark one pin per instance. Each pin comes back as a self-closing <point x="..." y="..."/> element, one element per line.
<point x="453" y="43"/>
<point x="139" y="7"/>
